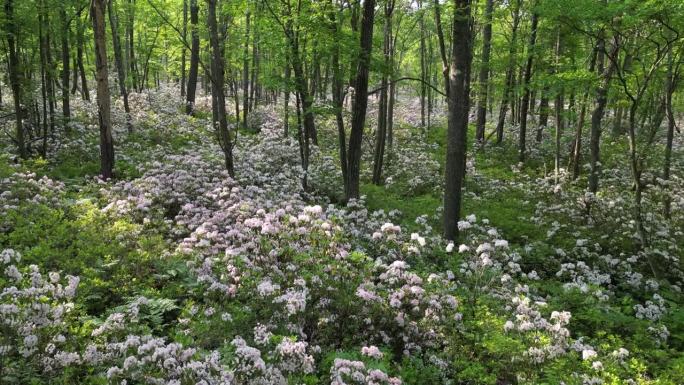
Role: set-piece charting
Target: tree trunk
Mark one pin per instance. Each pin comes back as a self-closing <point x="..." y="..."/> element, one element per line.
<point x="44" y="72"/>
<point x="577" y="145"/>
<point x="671" y="85"/>
<point x="286" y="102"/>
<point x="510" y="72"/>
<point x="543" y="113"/>
<point x="442" y="46"/>
<point x="218" y="88"/>
<point x="597" y="114"/>
<point x="183" y="52"/>
<point x="484" y="73"/>
<point x="381" y="134"/>
<point x="66" y="73"/>
<point x="85" y="94"/>
<point x="194" y="58"/>
<point x="245" y="73"/>
<point x="15" y="77"/>
<point x="361" y="102"/>
<point x="131" y="45"/>
<point x="337" y="95"/>
<point x="423" y="69"/>
<point x="459" y="106"/>
<point x="118" y="58"/>
<point x="103" y="102"/>
<point x="559" y="105"/>
<point x="524" y="104"/>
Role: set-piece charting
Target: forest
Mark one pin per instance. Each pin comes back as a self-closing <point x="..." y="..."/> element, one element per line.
<point x="343" y="192"/>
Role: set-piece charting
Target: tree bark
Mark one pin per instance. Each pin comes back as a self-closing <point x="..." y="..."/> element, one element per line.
<point x="194" y="58"/>
<point x="671" y="85"/>
<point x="559" y="105"/>
<point x="459" y="106"/>
<point x="132" y="61"/>
<point x="577" y="145"/>
<point x="245" y="73"/>
<point x="103" y="101"/>
<point x="85" y="94"/>
<point x="66" y="73"/>
<point x="15" y="77"/>
<point x="218" y="88"/>
<point x="525" y="103"/>
<point x="118" y="58"/>
<point x="183" y="52"/>
<point x="510" y="73"/>
<point x="337" y="96"/>
<point x="381" y="133"/>
<point x="484" y="73"/>
<point x="597" y="114"/>
<point x="361" y="101"/>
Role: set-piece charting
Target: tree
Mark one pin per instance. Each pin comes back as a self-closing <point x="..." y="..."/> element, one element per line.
<point x="483" y="83"/>
<point x="118" y="59"/>
<point x="381" y="133"/>
<point x="218" y="88"/>
<point x="525" y="103"/>
<point x="15" y="76"/>
<point x="510" y="73"/>
<point x="597" y="114"/>
<point x="97" y="9"/>
<point x="459" y="106"/>
<point x="361" y="101"/>
<point x="194" y="58"/>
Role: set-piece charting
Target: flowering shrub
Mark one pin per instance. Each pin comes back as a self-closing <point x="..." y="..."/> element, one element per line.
<point x="188" y="276"/>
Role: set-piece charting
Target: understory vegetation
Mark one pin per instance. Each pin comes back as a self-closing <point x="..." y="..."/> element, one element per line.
<point x="176" y="273"/>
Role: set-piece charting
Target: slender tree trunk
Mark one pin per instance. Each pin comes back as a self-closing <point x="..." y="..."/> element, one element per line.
<point x="254" y="69"/>
<point x="194" y="58"/>
<point x="381" y="134"/>
<point x="543" y="113"/>
<point x="66" y="60"/>
<point x="218" y="87"/>
<point x="74" y="74"/>
<point x="337" y="95"/>
<point x="577" y="145"/>
<point x="118" y="58"/>
<point x="671" y="85"/>
<point x="131" y="45"/>
<point x="44" y="72"/>
<point x="484" y="73"/>
<point x="103" y="102"/>
<point x="85" y="94"/>
<point x="525" y="103"/>
<point x="442" y="46"/>
<point x="184" y="51"/>
<point x="510" y="73"/>
<point x="459" y="106"/>
<point x="304" y="98"/>
<point x="15" y="77"/>
<point x="559" y="105"/>
<point x="597" y="114"/>
<point x="286" y="102"/>
<point x="245" y="73"/>
<point x="361" y="102"/>
<point x="423" y="69"/>
<point x="49" y="71"/>
<point x="392" y="101"/>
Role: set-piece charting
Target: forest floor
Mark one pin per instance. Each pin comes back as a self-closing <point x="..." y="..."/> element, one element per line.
<point x="546" y="276"/>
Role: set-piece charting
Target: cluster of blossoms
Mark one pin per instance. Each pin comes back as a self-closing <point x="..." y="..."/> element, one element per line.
<point x="25" y="189"/>
<point x="34" y="309"/>
<point x="347" y="372"/>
